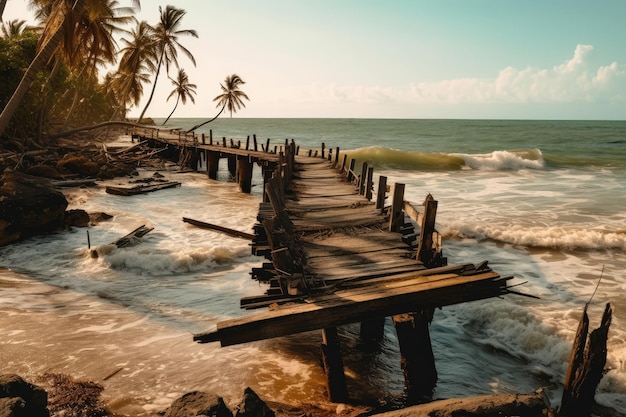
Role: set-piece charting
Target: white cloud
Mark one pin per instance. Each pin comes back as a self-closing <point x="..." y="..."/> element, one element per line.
<point x="571" y="82"/>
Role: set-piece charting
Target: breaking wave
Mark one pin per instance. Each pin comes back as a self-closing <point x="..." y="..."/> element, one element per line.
<point x="552" y="237"/>
<point x="425" y="161"/>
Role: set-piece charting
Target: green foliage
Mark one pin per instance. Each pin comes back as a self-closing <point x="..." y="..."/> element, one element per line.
<point x="55" y="99"/>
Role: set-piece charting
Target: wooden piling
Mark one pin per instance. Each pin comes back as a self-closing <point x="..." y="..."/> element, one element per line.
<point x="232" y="165"/>
<point x="333" y="366"/>
<point x="373" y="329"/>
<point x="212" y="161"/>
<point x="244" y="173"/>
<point x="417" y="358"/>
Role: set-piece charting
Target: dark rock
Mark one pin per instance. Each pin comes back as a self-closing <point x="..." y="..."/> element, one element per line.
<point x="198" y="403"/>
<point x="42" y="170"/>
<point x="77" y="217"/>
<point x="78" y="164"/>
<point x="19" y="398"/>
<point x="252" y="406"/>
<point x="28" y="206"/>
<point x="98" y="217"/>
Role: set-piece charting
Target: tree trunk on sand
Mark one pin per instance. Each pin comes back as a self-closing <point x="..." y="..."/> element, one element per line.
<point x="96" y="126"/>
<point x="40" y="60"/>
<point x="586" y="366"/>
<point x="208" y="121"/>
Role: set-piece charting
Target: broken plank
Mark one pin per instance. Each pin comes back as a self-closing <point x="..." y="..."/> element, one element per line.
<point x="217" y="228"/>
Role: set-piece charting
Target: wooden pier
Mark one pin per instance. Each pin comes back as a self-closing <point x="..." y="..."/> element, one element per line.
<point x="336" y="254"/>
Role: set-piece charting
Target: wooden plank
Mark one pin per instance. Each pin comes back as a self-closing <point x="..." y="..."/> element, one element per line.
<point x="222" y="229"/>
<point x="355" y="305"/>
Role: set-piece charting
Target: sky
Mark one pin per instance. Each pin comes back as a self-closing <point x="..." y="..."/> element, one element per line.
<point x="451" y="59"/>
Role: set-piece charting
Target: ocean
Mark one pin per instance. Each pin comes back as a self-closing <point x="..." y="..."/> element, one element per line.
<point x="543" y="201"/>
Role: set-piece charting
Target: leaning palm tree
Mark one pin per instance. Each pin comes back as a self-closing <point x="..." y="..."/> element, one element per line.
<point x="231" y="98"/>
<point x="52" y="37"/>
<point x="167" y="33"/>
<point x="183" y="90"/>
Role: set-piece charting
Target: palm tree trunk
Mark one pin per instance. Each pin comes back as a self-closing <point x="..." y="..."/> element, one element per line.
<point x="153" y="87"/>
<point x="208" y="121"/>
<point x="40" y="60"/>
<point x="3" y="3"/>
<point x="176" y="105"/>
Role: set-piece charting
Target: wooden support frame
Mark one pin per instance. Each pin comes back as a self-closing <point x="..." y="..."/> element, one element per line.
<point x="244" y="173"/>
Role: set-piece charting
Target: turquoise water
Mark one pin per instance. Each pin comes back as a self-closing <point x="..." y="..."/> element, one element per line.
<point x="541" y="200"/>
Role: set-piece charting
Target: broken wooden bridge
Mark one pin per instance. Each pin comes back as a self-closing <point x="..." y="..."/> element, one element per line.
<point x="337" y="254"/>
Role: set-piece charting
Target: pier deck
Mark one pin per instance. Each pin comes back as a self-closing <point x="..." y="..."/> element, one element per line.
<point x="338" y="258"/>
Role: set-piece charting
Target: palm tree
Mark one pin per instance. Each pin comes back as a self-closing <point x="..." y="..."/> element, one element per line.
<point x="137" y="62"/>
<point x="167" y="33"/>
<point x="230" y="98"/>
<point x="51" y="41"/>
<point x="13" y="28"/>
<point x="183" y="90"/>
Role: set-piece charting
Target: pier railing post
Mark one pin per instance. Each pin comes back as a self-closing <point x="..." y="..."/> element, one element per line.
<point x="362" y="179"/>
<point x="382" y="192"/>
<point x="426" y="249"/>
<point x="333" y="366"/>
<point x="396" y="217"/>
<point x="369" y="184"/>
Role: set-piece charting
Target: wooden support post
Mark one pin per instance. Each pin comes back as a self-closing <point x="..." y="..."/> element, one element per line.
<point x="426" y="251"/>
<point x="373" y="329"/>
<point x="232" y="165"/>
<point x="267" y="175"/>
<point x="267" y="146"/>
<point x="203" y="139"/>
<point x="212" y="164"/>
<point x="256" y="147"/>
<point x="323" y="149"/>
<point x="210" y="136"/>
<point x="248" y="143"/>
<point x="369" y="184"/>
<point x="244" y="173"/>
<point x="362" y="178"/>
<point x="333" y="366"/>
<point x="417" y="358"/>
<point x="223" y="141"/>
<point x="336" y="156"/>
<point x="343" y="164"/>
<point x="382" y="192"/>
<point x="396" y="217"/>
<point x="351" y="170"/>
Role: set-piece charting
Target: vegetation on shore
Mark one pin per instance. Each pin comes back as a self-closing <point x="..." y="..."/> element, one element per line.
<point x="53" y="75"/>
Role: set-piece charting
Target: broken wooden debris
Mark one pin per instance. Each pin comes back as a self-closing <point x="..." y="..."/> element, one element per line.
<point x="217" y="228"/>
<point x="140" y="189"/>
